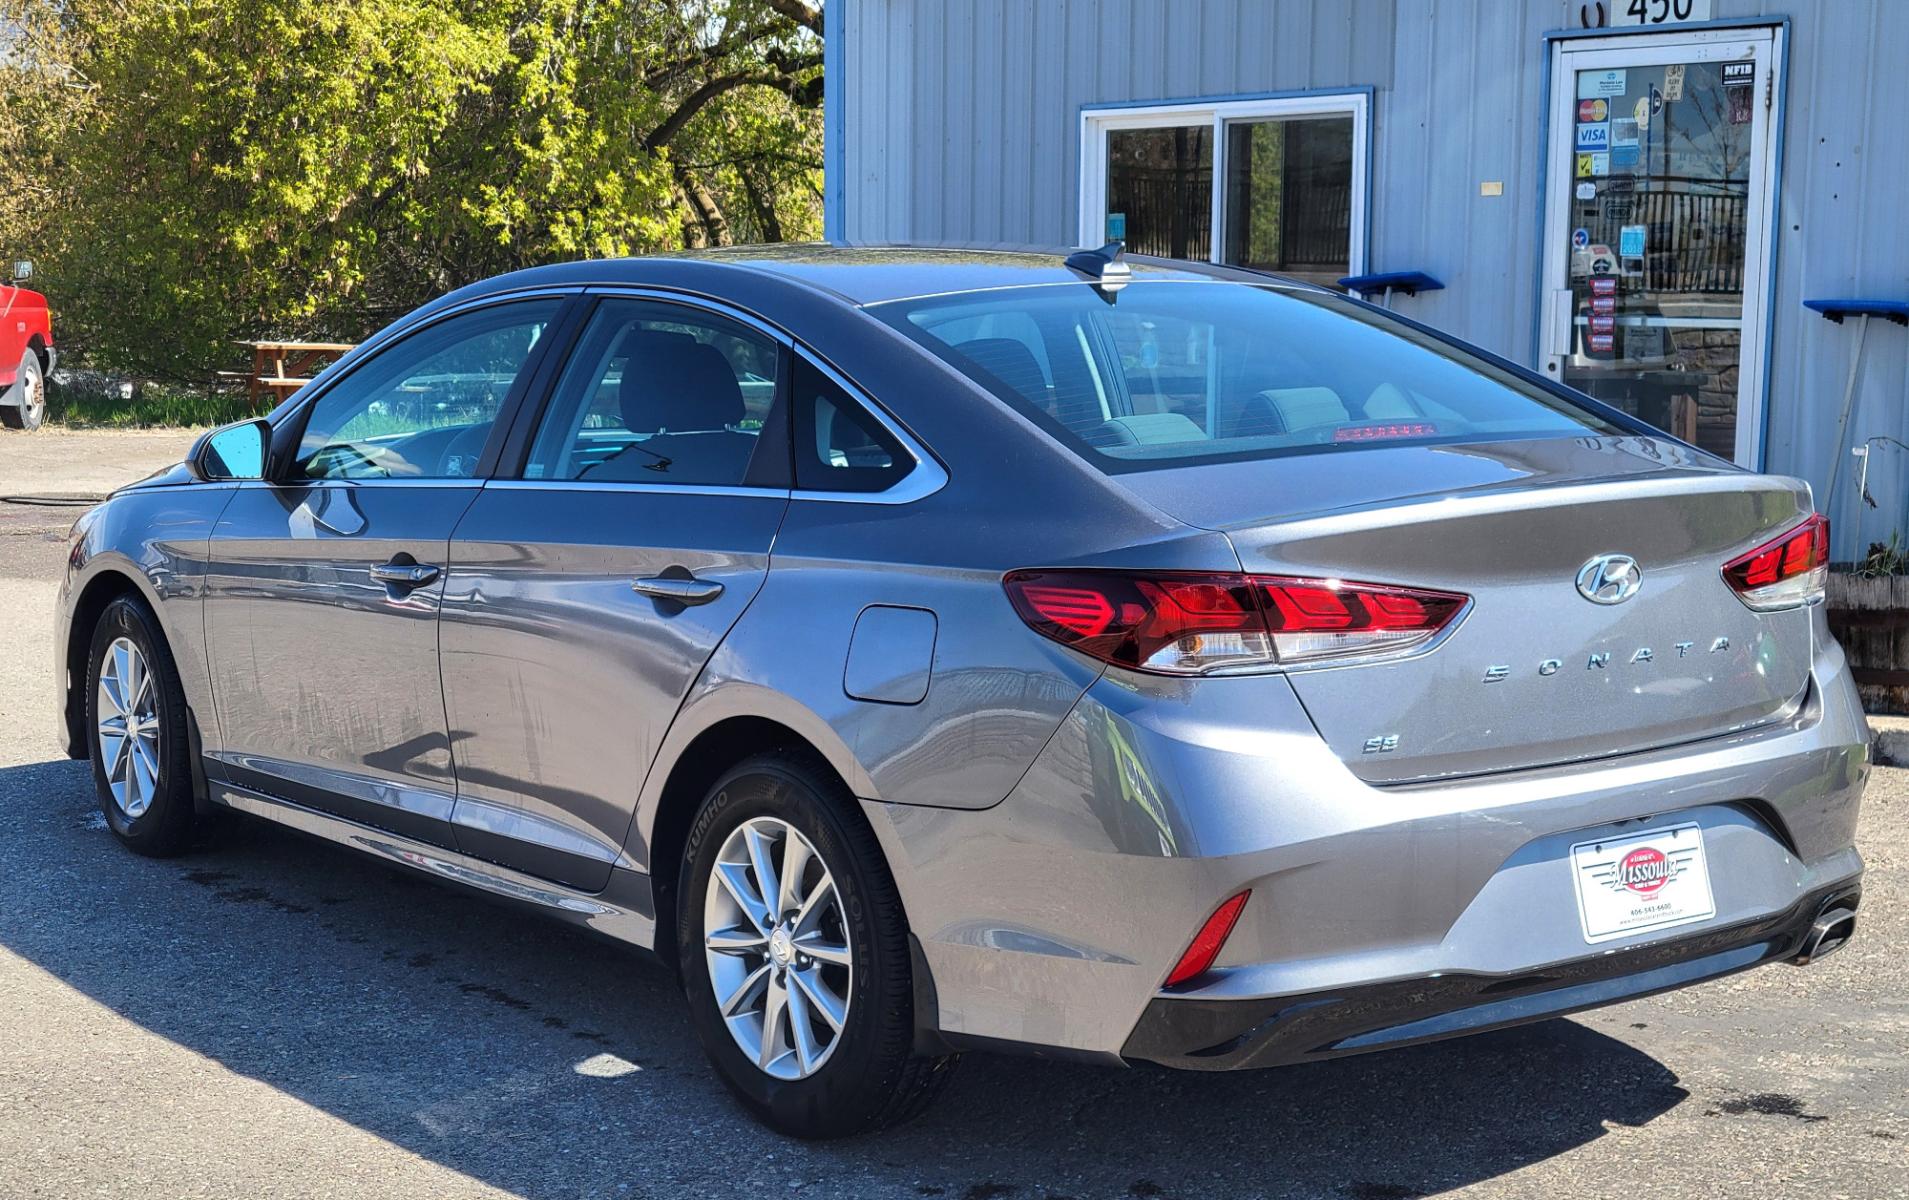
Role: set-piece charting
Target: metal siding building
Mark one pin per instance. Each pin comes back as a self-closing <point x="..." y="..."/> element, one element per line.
<point x="960" y="123"/>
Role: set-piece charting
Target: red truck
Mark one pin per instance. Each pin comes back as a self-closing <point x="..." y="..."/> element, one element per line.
<point x="26" y="352"/>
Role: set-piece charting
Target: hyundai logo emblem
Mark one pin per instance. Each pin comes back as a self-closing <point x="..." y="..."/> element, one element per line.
<point x="1610" y="579"/>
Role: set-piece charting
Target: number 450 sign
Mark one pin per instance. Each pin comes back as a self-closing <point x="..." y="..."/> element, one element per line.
<point x="1658" y="12"/>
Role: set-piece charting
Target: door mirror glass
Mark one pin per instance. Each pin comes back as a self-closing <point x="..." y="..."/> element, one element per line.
<point x="233" y="452"/>
<point x="22" y="271"/>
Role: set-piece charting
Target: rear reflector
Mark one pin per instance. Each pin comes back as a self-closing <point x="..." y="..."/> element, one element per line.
<point x="1208" y="942"/>
<point x="1176" y="623"/>
<point x="1786" y="572"/>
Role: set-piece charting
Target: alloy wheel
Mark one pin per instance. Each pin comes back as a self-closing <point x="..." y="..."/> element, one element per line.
<point x="777" y="949"/>
<point x="128" y="728"/>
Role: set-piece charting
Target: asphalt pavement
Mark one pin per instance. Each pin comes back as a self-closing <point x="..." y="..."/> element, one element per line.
<point x="272" y="1017"/>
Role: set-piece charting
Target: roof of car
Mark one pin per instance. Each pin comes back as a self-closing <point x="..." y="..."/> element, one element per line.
<point x="852" y="274"/>
<point x="874" y="274"/>
<point x="848" y="275"/>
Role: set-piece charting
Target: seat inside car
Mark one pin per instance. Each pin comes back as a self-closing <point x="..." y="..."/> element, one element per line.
<point x="685" y="396"/>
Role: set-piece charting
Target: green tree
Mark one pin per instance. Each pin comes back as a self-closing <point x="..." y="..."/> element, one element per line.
<point x="311" y="167"/>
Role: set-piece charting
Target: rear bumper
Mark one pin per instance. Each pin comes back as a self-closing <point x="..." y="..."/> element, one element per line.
<point x="1050" y="921"/>
<point x="1226" y="1035"/>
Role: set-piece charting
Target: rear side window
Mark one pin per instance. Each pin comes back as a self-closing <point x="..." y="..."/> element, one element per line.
<point x="839" y="445"/>
<point x="1165" y="374"/>
<point x="660" y="394"/>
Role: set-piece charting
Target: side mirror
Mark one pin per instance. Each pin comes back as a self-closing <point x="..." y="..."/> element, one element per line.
<point x="232" y="452"/>
<point x="22" y="271"/>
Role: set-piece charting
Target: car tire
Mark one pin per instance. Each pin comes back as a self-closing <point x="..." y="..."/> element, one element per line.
<point x="136" y="717"/>
<point x="868" y="1075"/>
<point x="30" y="385"/>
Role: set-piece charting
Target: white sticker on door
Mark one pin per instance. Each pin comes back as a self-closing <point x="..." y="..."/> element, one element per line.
<point x="1592" y="84"/>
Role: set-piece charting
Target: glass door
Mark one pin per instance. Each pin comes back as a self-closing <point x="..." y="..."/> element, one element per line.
<point x="1657" y="229"/>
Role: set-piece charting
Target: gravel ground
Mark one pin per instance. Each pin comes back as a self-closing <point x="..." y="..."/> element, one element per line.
<point x="272" y="1017"/>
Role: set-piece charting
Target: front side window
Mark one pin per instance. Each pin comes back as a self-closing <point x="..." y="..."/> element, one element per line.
<point x="424" y="407"/>
<point x="1176" y="373"/>
<point x="657" y="393"/>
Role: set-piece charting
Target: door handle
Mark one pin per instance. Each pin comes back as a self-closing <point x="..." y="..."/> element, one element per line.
<point x="682" y="591"/>
<point x="405" y="575"/>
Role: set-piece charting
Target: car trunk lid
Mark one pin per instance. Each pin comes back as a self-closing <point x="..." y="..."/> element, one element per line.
<point x="1534" y="673"/>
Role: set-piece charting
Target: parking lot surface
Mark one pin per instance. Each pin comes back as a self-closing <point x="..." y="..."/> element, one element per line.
<point x="272" y="1017"/>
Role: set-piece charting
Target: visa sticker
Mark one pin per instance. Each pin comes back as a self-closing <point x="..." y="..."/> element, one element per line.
<point x="1594" y="137"/>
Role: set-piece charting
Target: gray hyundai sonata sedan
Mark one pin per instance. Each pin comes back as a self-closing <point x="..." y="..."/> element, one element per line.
<point x="919" y="651"/>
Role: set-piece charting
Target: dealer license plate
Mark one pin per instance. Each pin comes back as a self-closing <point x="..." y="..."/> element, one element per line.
<point x="1641" y="882"/>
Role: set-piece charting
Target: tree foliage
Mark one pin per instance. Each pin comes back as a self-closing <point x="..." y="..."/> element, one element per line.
<point x="216" y="171"/>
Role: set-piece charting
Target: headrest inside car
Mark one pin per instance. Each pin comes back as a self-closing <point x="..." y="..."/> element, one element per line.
<point x="673" y="383"/>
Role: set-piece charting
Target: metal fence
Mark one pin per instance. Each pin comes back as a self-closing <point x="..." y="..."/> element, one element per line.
<point x="1169" y="211"/>
<point x="1693" y="232"/>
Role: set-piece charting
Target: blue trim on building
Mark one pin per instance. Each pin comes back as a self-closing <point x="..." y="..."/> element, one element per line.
<point x="1371" y="179"/>
<point x="1366" y="90"/>
<point x="1538" y="298"/>
<point x="1776" y="238"/>
<point x="1560" y="35"/>
<point x="834" y="186"/>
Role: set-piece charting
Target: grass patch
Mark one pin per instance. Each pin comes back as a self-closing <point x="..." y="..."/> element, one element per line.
<point x="98" y="404"/>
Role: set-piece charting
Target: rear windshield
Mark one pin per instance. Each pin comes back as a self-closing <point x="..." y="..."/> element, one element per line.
<point x="1170" y="374"/>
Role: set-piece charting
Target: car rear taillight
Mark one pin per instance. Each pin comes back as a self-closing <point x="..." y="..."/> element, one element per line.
<point x="1182" y="623"/>
<point x="1786" y="572"/>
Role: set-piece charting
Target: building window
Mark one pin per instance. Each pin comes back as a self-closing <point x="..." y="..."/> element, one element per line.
<point x="1161" y="183"/>
<point x="1277" y="184"/>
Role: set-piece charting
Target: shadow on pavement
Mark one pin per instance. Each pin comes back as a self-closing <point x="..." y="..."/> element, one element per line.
<point x="502" y="1046"/>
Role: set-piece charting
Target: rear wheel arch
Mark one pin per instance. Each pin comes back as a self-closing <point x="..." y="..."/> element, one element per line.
<point x="702" y="762"/>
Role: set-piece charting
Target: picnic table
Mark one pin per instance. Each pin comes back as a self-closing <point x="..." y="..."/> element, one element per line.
<point x="281" y="368"/>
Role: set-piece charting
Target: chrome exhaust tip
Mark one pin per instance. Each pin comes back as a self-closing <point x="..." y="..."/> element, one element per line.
<point x="1829" y="933"/>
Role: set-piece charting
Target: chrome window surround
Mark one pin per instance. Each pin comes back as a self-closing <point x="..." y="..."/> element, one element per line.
<point x="927" y="477"/>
